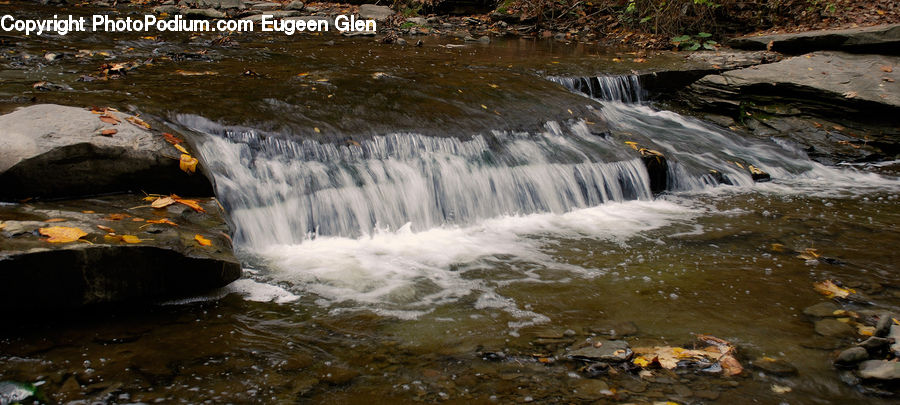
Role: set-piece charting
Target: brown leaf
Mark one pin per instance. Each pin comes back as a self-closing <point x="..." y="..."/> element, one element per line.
<point x="163" y="202"/>
<point x="109" y="119"/>
<point x="62" y="234"/>
<point x="109" y="132"/>
<point x="887" y="69"/>
<point x="202" y="241"/>
<point x="116" y="217"/>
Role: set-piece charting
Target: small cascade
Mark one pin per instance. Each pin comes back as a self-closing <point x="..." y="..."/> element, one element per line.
<point x="624" y="88"/>
<point x="279" y="191"/>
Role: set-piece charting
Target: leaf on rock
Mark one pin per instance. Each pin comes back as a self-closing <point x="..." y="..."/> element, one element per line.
<point x="190" y="203"/>
<point x="138" y="122"/>
<point x="116" y="217"/>
<point x="62" y="234"/>
<point x="202" y="241"/>
<point x="187" y="163"/>
<point x="51" y="220"/>
<point x="831" y="290"/>
<point x="161" y="221"/>
<point x="109" y="132"/>
<point x="106" y="229"/>
<point x="162" y="202"/>
<point x="109" y="119"/>
<point x="137" y="219"/>
<point x="130" y="239"/>
<point x="172" y="138"/>
<point x="181" y="148"/>
<point x="887" y="69"/>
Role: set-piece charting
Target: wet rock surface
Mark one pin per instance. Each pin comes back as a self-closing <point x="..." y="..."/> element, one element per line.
<point x="163" y="260"/>
<point x="57" y="151"/>
<point x="879" y="38"/>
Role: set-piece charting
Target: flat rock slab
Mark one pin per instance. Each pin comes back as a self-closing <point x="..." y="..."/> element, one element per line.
<point x="699" y="64"/>
<point x="879" y="370"/>
<point x="56" y="151"/>
<point x="877" y="39"/>
<point x="612" y="351"/>
<point x="377" y="13"/>
<point x="167" y="261"/>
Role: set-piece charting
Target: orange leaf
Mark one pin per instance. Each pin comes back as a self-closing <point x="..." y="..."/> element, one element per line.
<point x="887" y="69"/>
<point x="116" y="217"/>
<point x="88" y="212"/>
<point x="106" y="229"/>
<point x="109" y="119"/>
<point x="137" y="219"/>
<point x="172" y="138"/>
<point x="62" y="234"/>
<point x="163" y="202"/>
<point x="191" y="203"/>
<point x="202" y="241"/>
<point x="131" y="239"/>
<point x="108" y="132"/>
<point x="161" y="221"/>
<point x="181" y="149"/>
<point x="55" y="220"/>
<point x="187" y="163"/>
<point x="138" y="122"/>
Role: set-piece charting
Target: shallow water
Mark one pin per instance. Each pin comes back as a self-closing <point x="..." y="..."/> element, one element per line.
<point x="399" y="302"/>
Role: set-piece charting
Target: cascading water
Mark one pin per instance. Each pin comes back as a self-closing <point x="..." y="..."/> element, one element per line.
<point x="397" y="223"/>
<point x="626" y="89"/>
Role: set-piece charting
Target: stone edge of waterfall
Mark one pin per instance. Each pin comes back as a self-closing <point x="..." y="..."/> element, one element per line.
<point x="60" y="169"/>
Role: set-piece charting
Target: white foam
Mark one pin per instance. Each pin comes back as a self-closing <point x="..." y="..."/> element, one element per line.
<point x="403" y="273"/>
<point x="256" y="291"/>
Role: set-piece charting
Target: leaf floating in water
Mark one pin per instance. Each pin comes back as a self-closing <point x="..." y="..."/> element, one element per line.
<point x="831" y="290"/>
<point x="493" y="86"/>
<point x="808" y="254"/>
<point x="633" y="145"/>
<point x="187" y="163"/>
<point x="777" y="247"/>
<point x="163" y="202"/>
<point x="62" y="234"/>
<point x="202" y="241"/>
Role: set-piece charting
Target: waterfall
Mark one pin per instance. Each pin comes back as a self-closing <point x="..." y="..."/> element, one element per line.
<point x="625" y="88"/>
<point x="280" y="191"/>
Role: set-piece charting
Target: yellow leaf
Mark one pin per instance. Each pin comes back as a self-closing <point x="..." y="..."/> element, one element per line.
<point x="641" y="361"/>
<point x="494" y="86"/>
<point x="138" y="122"/>
<point x="181" y="149"/>
<point x="866" y="330"/>
<point x="191" y="203"/>
<point x="131" y="239"/>
<point x="484" y="106"/>
<point x="632" y="144"/>
<point x="777" y="247"/>
<point x="202" y="241"/>
<point x="318" y="131"/>
<point x="187" y="163"/>
<point x="62" y="234"/>
<point x="831" y="290"/>
<point x="163" y="201"/>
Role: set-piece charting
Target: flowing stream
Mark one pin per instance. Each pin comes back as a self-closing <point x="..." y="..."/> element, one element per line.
<point x="440" y="224"/>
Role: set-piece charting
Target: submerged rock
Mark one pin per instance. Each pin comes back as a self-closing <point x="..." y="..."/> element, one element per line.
<point x="774" y="366"/>
<point x="611" y="351"/>
<point x="158" y="260"/>
<point x="56" y="151"/>
<point x="822" y="310"/>
<point x="833" y="328"/>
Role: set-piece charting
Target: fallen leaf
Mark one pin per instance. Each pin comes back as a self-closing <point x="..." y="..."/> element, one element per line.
<point x="865" y="330"/>
<point x="188" y="164"/>
<point x="808" y="254"/>
<point x="851" y="94"/>
<point x="887" y="69"/>
<point x="109" y="119"/>
<point x="62" y="234"/>
<point x="163" y="202"/>
<point x="109" y="132"/>
<point x="130" y="239"/>
<point x="87" y="212"/>
<point x="137" y="220"/>
<point x="777" y="247"/>
<point x="172" y="138"/>
<point x="51" y="220"/>
<point x="202" y="241"/>
<point x="106" y="229"/>
<point x="190" y="203"/>
<point x="632" y="144"/>
<point x="493" y="86"/>
<point x="831" y="290"/>
<point x="161" y="221"/>
<point x="116" y="217"/>
<point x="138" y="122"/>
<point x="780" y="389"/>
<point x="181" y="148"/>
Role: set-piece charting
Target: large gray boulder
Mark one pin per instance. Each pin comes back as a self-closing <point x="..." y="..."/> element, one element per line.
<point x="56" y="151"/>
<point x="877" y="39"/>
<point x="377" y="13"/>
<point x="164" y="262"/>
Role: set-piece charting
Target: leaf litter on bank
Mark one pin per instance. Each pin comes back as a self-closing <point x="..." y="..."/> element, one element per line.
<point x="715" y="351"/>
<point x="831" y="290"/>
